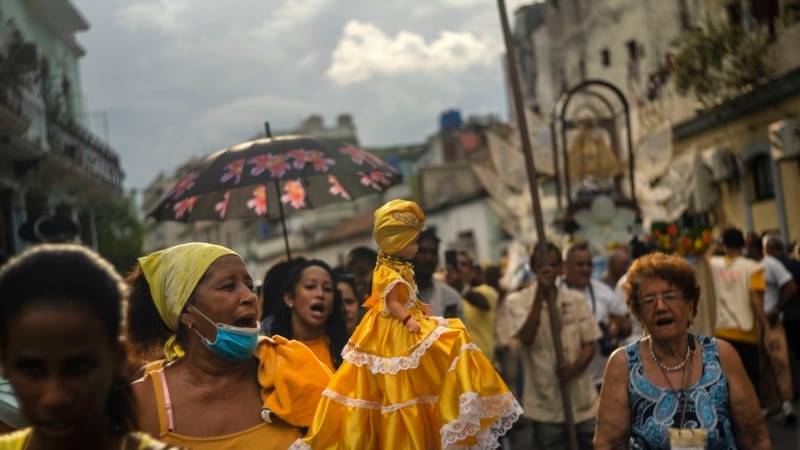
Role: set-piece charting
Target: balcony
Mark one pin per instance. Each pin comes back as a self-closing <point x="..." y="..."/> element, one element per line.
<point x="71" y="140"/>
<point x="23" y="122"/>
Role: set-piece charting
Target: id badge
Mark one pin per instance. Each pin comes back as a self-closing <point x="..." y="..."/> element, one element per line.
<point x="688" y="438"/>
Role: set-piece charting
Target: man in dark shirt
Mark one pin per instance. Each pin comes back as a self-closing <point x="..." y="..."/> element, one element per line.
<point x="775" y="247"/>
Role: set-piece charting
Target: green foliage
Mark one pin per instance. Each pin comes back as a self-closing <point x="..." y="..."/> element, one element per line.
<point x="120" y="233"/>
<point x="719" y="62"/>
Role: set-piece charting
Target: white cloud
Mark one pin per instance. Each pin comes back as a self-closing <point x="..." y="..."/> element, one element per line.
<point x="166" y="16"/>
<point x="365" y="50"/>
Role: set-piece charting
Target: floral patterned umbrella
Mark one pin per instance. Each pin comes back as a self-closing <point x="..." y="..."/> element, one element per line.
<point x="271" y="177"/>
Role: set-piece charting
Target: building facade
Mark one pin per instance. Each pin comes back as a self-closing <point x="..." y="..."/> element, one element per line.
<point x="54" y="172"/>
<point x="743" y="150"/>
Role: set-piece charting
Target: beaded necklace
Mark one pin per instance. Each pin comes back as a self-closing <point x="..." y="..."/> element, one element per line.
<point x="401" y="266"/>
<point x="664" y="366"/>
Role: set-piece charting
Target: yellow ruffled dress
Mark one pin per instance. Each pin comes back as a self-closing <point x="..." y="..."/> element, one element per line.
<point x="401" y="390"/>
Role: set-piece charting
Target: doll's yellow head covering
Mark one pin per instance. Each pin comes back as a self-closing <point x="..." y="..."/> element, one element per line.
<point x="397" y="224"/>
<point x="173" y="274"/>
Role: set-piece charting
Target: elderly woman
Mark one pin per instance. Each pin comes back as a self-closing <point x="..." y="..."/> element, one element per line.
<point x="312" y="311"/>
<point x="672" y="380"/>
<point x="222" y="387"/>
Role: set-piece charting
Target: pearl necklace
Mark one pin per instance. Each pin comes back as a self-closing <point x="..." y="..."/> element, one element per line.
<point x="664" y="366"/>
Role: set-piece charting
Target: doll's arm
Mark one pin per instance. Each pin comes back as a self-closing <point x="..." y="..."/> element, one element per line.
<point x="399" y="312"/>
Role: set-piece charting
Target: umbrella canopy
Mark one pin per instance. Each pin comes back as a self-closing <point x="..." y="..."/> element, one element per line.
<point x="256" y="179"/>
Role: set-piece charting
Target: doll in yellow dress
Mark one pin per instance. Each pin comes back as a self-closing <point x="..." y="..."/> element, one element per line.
<point x="408" y="380"/>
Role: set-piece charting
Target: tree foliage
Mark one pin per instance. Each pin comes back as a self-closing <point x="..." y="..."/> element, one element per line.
<point x="120" y="232"/>
<point x="719" y="62"/>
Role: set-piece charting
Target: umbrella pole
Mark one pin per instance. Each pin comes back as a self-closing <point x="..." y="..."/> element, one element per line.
<point x="283" y="221"/>
<point x="268" y="133"/>
<point x="555" y="326"/>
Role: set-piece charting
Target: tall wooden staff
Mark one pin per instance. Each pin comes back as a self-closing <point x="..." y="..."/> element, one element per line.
<point x="552" y="312"/>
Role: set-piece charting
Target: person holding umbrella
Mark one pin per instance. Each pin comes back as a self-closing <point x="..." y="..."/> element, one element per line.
<point x="409" y="381"/>
<point x="220" y="385"/>
<point x="312" y="311"/>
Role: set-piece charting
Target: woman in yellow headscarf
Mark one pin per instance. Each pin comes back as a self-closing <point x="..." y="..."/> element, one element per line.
<point x="409" y="381"/>
<point x="222" y="386"/>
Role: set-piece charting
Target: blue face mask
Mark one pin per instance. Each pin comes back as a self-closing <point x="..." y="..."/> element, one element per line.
<point x="233" y="344"/>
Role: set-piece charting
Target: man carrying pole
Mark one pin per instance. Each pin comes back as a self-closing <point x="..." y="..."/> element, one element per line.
<point x="529" y="330"/>
<point x="547" y="376"/>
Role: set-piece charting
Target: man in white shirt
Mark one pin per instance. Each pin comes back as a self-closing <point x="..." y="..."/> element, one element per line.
<point x="443" y="300"/>
<point x="530" y="325"/>
<point x="776" y="378"/>
<point x="607" y="308"/>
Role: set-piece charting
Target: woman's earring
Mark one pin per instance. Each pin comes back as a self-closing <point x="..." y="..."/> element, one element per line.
<point x="691" y="325"/>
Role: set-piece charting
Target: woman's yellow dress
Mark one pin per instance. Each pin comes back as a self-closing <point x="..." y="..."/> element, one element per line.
<point x="403" y="390"/>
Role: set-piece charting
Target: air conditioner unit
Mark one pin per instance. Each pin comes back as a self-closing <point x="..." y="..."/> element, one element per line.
<point x="784" y="139"/>
<point x="721" y="162"/>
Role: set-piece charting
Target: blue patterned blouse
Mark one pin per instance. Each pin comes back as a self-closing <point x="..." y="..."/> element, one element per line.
<point x="654" y="410"/>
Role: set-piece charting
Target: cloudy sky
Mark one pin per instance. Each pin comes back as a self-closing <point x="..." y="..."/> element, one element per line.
<point x="182" y="78"/>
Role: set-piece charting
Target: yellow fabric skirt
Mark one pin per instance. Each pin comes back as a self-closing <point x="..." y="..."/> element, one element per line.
<point x="395" y="389"/>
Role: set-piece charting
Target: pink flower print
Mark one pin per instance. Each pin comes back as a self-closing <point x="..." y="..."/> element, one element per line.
<point x="233" y="170"/>
<point x="184" y="206"/>
<point x="367" y="180"/>
<point x="222" y="207"/>
<point x="276" y="164"/>
<point x="336" y="187"/>
<point x="319" y="161"/>
<point x="259" y="201"/>
<point x="186" y="183"/>
<point x="295" y="194"/>
<point x="300" y="156"/>
<point x="360" y="156"/>
<point x="380" y="177"/>
<point x="355" y="154"/>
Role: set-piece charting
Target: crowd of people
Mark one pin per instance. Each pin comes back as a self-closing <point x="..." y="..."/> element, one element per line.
<point x="186" y="352"/>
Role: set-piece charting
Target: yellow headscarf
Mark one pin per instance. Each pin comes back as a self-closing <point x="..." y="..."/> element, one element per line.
<point x="397" y="224"/>
<point x="173" y="274"/>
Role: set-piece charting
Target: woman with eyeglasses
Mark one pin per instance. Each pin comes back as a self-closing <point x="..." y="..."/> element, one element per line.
<point x="674" y="389"/>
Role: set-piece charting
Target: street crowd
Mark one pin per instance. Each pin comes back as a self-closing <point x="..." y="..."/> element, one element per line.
<point x="396" y="347"/>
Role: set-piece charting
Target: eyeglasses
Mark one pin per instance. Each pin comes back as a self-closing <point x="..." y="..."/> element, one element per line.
<point x="669" y="297"/>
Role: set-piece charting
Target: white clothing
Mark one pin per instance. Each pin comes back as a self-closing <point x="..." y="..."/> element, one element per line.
<point x="775" y="276"/>
<point x="605" y="304"/>
<point x="443" y="300"/>
<point x="732" y="288"/>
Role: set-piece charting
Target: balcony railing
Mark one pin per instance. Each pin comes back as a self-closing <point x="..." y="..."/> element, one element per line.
<point x="29" y="108"/>
<point x="71" y="139"/>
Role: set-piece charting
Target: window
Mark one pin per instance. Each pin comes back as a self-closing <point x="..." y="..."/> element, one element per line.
<point x="735" y="13"/>
<point x="633" y="50"/>
<point x="605" y="56"/>
<point x="762" y="177"/>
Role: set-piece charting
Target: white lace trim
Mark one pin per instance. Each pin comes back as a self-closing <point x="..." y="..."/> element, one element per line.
<point x="464" y="348"/>
<point x="394" y="364"/>
<point x="473" y="408"/>
<point x="365" y="404"/>
<point x="409" y="304"/>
